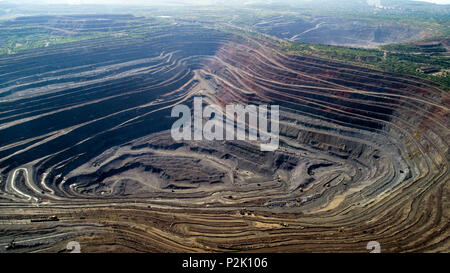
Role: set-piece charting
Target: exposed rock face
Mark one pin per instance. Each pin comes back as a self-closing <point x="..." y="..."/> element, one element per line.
<point x="364" y="154"/>
<point x="345" y="32"/>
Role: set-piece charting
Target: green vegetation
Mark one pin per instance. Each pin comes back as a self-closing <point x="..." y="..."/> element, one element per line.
<point x="17" y="38"/>
<point x="398" y="58"/>
<point x="14" y="39"/>
<point x="16" y="44"/>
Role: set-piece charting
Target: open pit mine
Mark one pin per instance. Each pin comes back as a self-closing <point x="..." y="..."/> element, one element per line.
<point x="86" y="153"/>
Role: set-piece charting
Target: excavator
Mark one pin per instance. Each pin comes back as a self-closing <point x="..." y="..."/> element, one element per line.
<point x="11" y="245"/>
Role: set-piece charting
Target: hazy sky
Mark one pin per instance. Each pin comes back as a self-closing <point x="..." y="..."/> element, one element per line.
<point x="143" y="1"/>
<point x="438" y="1"/>
<point x="140" y="2"/>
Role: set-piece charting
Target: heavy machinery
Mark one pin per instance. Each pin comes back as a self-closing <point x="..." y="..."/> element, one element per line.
<point x="11" y="245"/>
<point x="53" y="218"/>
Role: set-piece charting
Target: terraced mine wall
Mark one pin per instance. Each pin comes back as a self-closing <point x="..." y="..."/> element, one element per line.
<point x="337" y="31"/>
<point x="85" y="134"/>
